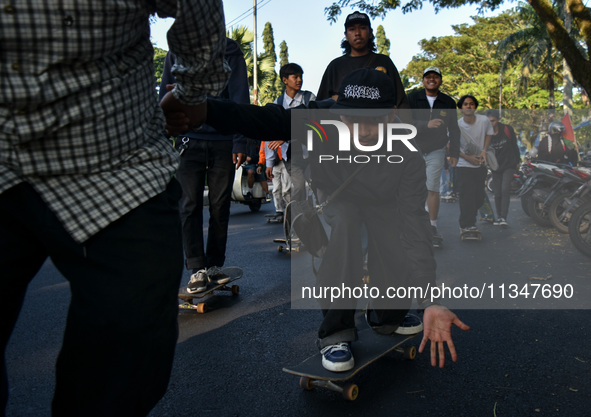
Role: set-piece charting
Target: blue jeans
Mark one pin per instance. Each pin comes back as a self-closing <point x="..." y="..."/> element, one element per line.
<point x="121" y="328"/>
<point x="209" y="160"/>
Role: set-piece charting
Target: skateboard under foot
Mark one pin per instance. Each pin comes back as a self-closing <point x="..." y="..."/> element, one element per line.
<point x="471" y="235"/>
<point x="189" y="301"/>
<point x="369" y="348"/>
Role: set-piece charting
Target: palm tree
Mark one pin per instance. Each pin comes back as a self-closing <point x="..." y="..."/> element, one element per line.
<point x="531" y="45"/>
<point x="265" y="64"/>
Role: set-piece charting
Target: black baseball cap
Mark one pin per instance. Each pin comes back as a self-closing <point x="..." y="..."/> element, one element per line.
<point x="365" y="92"/>
<point x="357" y="18"/>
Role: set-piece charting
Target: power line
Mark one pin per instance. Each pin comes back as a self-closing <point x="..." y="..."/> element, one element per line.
<point x="247" y="13"/>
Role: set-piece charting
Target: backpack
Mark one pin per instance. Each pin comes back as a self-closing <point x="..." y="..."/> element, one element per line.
<point x="307" y="98"/>
<point x="508" y="132"/>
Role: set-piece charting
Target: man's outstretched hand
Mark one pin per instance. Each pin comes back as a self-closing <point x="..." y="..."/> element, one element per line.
<point x="180" y="118"/>
<point x="437" y="322"/>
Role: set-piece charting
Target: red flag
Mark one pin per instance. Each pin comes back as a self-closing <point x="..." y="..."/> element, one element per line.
<point x="569" y="133"/>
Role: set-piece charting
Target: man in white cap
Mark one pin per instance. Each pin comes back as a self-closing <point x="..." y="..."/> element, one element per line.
<point x="434" y="115"/>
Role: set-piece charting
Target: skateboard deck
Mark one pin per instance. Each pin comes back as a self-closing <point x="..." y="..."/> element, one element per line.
<point x="471" y="235"/>
<point x="369" y="348"/>
<point x="274" y="218"/>
<point x="189" y="300"/>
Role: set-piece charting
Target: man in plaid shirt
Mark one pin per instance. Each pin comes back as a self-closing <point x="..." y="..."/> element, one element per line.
<point x="86" y="179"/>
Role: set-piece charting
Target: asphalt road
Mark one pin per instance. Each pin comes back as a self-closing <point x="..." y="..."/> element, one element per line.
<point x="513" y="362"/>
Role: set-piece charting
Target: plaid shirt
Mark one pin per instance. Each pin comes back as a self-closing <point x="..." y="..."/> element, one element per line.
<point x="79" y="117"/>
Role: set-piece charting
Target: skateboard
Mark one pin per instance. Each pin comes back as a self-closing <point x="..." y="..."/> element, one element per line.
<point x="471" y="235"/>
<point x="274" y="218"/>
<point x="290" y="246"/>
<point x="189" y="301"/>
<point x="369" y="348"/>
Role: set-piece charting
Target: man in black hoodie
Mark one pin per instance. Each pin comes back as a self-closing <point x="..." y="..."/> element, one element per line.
<point x="206" y="153"/>
<point x="387" y="198"/>
<point x="434" y="115"/>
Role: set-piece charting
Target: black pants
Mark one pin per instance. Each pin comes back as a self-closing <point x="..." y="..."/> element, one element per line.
<point x="211" y="161"/>
<point x="121" y="328"/>
<point x="472" y="193"/>
<point x="342" y="264"/>
<point x="502" y="188"/>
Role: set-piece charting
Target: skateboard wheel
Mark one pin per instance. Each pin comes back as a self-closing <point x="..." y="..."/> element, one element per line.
<point x="365" y="279"/>
<point x="201" y="308"/>
<point x="280" y="248"/>
<point x="306" y="383"/>
<point x="235" y="289"/>
<point x="410" y="352"/>
<point x="350" y="392"/>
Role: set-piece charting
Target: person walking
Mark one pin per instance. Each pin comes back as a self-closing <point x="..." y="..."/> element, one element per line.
<point x="86" y="179"/>
<point x="471" y="169"/>
<point x="434" y="116"/>
<point x="504" y="143"/>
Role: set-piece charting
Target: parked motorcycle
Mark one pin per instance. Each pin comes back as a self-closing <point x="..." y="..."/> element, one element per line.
<point x="546" y="183"/>
<point x="562" y="207"/>
<point x="579" y="228"/>
<point x="242" y="194"/>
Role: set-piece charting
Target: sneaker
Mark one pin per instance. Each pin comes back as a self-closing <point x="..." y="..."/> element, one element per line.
<point x="503" y="222"/>
<point x="410" y="325"/>
<point x="216" y="276"/>
<point x="197" y="282"/>
<point x="337" y="358"/>
<point x="497" y="222"/>
<point x="468" y="229"/>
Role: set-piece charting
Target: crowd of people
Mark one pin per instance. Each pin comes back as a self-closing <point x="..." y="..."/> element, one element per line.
<point x="87" y="178"/>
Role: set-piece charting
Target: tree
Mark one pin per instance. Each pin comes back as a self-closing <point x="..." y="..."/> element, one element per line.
<point x="159" y="57"/>
<point x="283" y="60"/>
<point x="265" y="64"/>
<point x="382" y="42"/>
<point x="283" y="54"/>
<point x="532" y="46"/>
<point x="470" y="65"/>
<point x="268" y="91"/>
<point x="576" y="54"/>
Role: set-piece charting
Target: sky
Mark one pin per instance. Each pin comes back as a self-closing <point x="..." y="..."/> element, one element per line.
<point x="313" y="42"/>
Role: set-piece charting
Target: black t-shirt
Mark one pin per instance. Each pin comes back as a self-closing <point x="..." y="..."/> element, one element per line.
<point x="505" y="145"/>
<point x="344" y="65"/>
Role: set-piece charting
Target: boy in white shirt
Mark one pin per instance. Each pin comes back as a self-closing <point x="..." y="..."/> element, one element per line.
<point x="471" y="169"/>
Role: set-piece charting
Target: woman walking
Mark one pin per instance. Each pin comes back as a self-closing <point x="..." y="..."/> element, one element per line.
<point x="504" y="143"/>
